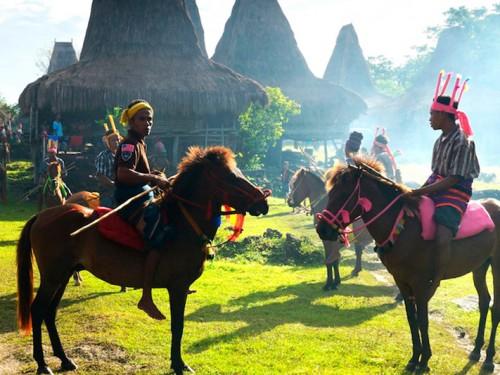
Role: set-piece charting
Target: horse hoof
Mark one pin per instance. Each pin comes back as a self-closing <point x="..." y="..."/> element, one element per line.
<point x="422" y="369"/>
<point x="68" y="365"/>
<point x="475" y="355"/>
<point x="179" y="370"/>
<point x="411" y="366"/>
<point x="44" y="370"/>
<point x="488" y="367"/>
<point x="355" y="273"/>
<point x="327" y="287"/>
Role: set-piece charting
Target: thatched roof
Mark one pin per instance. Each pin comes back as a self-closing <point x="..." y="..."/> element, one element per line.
<point x="259" y="42"/>
<point x="63" y="55"/>
<point x="347" y="66"/>
<point x="150" y="51"/>
<point x="194" y="14"/>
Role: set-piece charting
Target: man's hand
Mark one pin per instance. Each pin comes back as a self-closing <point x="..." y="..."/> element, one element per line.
<point x="161" y="181"/>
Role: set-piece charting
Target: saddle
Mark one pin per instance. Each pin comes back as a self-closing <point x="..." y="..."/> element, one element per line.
<point x="116" y="229"/>
<point x="475" y="220"/>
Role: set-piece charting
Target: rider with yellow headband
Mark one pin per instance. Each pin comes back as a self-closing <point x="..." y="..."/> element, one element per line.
<point x="133" y="176"/>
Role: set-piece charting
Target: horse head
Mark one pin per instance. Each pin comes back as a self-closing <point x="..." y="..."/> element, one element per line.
<point x="298" y="188"/>
<point x="341" y="186"/>
<point x="351" y="190"/>
<point x="209" y="176"/>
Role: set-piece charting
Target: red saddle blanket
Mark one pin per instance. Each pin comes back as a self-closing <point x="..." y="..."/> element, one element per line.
<point x="116" y="229"/>
<point x="475" y="220"/>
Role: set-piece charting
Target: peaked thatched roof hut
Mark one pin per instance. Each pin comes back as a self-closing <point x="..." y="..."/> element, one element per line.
<point x="194" y="14"/>
<point x="259" y="42"/>
<point x="347" y="66"/>
<point x="63" y="55"/>
<point x="150" y="52"/>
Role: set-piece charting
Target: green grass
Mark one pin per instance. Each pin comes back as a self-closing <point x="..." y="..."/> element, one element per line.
<point x="244" y="319"/>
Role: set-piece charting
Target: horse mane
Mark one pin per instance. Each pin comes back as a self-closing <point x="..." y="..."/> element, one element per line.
<point x="334" y="173"/>
<point x="197" y="159"/>
<point x="214" y="154"/>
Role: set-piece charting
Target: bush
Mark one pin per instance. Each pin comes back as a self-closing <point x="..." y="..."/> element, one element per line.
<point x="273" y="248"/>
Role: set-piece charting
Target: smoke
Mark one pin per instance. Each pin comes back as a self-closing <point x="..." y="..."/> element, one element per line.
<point x="474" y="54"/>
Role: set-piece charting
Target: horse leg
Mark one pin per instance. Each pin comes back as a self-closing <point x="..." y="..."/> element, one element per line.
<point x="50" y="322"/>
<point x="178" y="296"/>
<point x="336" y="271"/>
<point x="488" y="364"/>
<point x="329" y="277"/>
<point x="479" y="276"/>
<point x="423" y="325"/>
<point x="411" y="316"/>
<point x="358" y="267"/>
<point x="332" y="256"/>
<point x="39" y="309"/>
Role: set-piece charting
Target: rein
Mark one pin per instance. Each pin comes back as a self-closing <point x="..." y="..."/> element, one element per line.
<point x="340" y="220"/>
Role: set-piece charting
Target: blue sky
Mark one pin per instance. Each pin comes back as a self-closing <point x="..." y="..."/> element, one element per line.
<point x="385" y="27"/>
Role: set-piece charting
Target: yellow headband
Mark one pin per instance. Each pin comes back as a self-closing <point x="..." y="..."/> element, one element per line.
<point x="128" y="113"/>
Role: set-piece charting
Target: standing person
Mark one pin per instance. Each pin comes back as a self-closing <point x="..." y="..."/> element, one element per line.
<point x="57" y="128"/>
<point x="52" y="157"/>
<point x="352" y="146"/>
<point x="160" y="155"/>
<point x="454" y="167"/>
<point x="351" y="149"/>
<point x="133" y="176"/>
<point x="382" y="152"/>
<point x="285" y="176"/>
<point x="105" y="169"/>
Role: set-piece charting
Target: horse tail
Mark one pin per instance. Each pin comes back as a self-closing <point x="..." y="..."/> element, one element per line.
<point x="25" y="278"/>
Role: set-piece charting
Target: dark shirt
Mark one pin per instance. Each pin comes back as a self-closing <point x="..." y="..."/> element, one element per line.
<point x="131" y="154"/>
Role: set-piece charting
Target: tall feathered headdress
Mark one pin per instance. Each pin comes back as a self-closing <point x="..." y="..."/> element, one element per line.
<point x="456" y="96"/>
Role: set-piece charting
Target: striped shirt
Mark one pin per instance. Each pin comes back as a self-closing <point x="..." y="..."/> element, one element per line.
<point x="455" y="155"/>
<point x="104" y="164"/>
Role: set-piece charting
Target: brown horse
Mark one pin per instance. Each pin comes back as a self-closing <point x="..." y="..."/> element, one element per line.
<point x="307" y="184"/>
<point x="409" y="258"/>
<point x="207" y="179"/>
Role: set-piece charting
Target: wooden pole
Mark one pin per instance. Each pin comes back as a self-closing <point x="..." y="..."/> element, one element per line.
<point x="124" y="204"/>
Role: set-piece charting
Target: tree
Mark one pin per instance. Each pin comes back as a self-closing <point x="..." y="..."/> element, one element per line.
<point x="393" y="80"/>
<point x="262" y="126"/>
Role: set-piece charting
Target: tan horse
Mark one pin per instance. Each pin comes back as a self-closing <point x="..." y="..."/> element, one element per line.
<point x="307" y="184"/>
<point x="207" y="179"/>
<point x="409" y="258"/>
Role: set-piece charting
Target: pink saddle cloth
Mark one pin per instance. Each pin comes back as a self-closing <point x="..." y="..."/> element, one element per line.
<point x="475" y="220"/>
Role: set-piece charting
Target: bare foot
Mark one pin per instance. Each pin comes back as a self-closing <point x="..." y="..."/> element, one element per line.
<point x="150" y="308"/>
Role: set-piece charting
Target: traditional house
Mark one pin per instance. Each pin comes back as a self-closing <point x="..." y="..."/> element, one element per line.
<point x="259" y="42"/>
<point x="63" y="55"/>
<point x="149" y="51"/>
<point x="347" y="66"/>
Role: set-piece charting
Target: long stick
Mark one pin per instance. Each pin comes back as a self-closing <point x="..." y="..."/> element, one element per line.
<point x="126" y="203"/>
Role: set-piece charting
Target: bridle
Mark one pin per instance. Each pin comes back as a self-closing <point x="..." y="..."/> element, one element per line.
<point x="222" y="186"/>
<point x="340" y="220"/>
<point x="219" y="185"/>
<point x="298" y="182"/>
